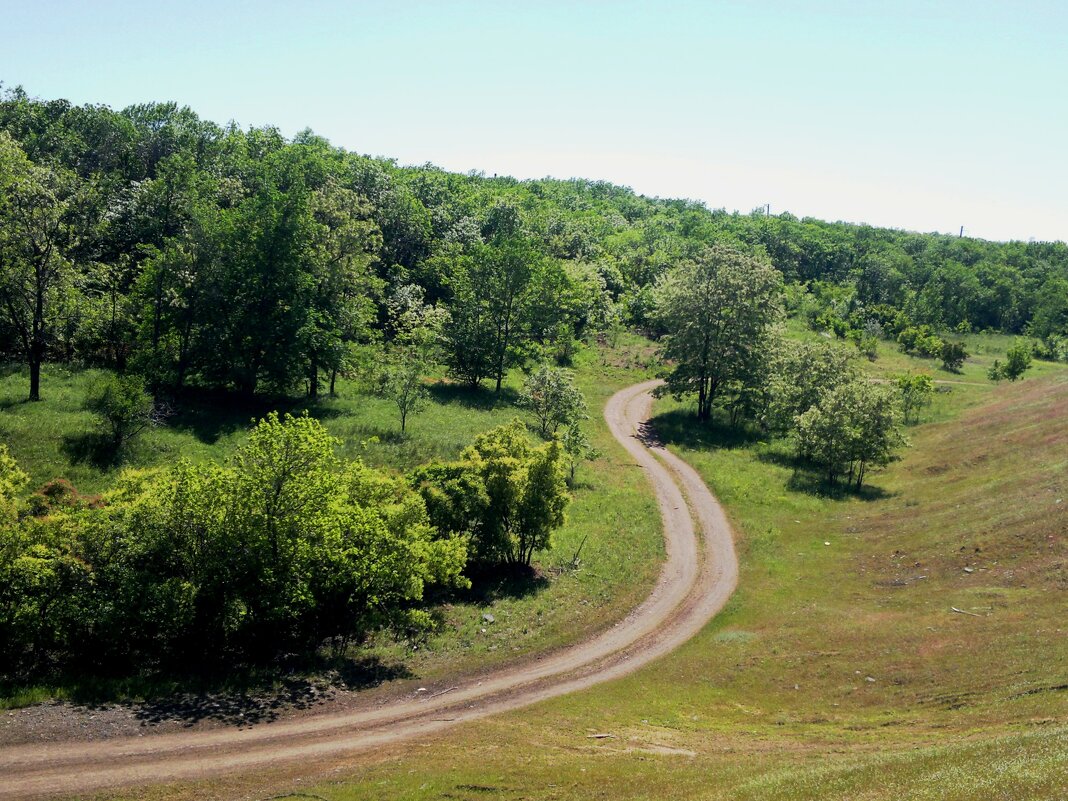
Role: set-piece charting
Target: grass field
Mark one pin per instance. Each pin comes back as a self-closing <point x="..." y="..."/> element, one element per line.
<point x="613" y="516"/>
<point x="841" y="668"/>
<point x="908" y="642"/>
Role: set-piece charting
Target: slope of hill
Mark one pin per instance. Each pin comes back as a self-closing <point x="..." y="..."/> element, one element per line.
<point x="908" y="642"/>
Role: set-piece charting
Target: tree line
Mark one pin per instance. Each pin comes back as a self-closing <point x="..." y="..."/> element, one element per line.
<point x="152" y="241"/>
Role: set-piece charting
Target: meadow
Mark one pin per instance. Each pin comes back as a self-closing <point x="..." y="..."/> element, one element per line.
<point x="906" y="641"/>
<point x="603" y="561"/>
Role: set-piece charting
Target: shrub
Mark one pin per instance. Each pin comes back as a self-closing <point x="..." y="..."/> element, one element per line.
<point x="123" y="409"/>
<point x="953" y="356"/>
<point x="1017" y="360"/>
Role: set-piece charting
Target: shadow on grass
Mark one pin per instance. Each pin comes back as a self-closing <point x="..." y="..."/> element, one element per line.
<point x="490" y="584"/>
<point x="12" y="402"/>
<point x="682" y="428"/>
<point x="210" y="414"/>
<point x="472" y="397"/>
<point x="810" y="478"/>
<point x="93" y="449"/>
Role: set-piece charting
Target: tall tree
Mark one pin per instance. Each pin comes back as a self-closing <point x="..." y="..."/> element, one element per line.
<point x="343" y="245"/>
<point x="37" y="231"/>
<point x="720" y="312"/>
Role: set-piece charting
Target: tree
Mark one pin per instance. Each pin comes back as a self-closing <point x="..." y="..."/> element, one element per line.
<point x="12" y="480"/>
<point x="916" y="393"/>
<point x="852" y="428"/>
<point x="36" y="234"/>
<point x="467" y="336"/>
<point x="577" y="447"/>
<point x="343" y="245"/>
<point x="719" y="312"/>
<point x="123" y="407"/>
<point x="401" y="382"/>
<point x="488" y="323"/>
<point x="799" y="373"/>
<point x="506" y="495"/>
<point x="550" y="394"/>
<point x="996" y="373"/>
<point x="953" y="356"/>
<point x="1017" y="360"/>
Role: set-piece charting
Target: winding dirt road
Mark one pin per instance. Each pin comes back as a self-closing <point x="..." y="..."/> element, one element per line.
<point x="697" y="578"/>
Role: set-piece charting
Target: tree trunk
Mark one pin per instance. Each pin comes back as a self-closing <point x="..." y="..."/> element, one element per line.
<point x="313" y="378"/>
<point x="333" y="381"/>
<point x="35" y="377"/>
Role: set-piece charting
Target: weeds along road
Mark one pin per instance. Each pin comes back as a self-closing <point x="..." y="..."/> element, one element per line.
<point x="698" y="576"/>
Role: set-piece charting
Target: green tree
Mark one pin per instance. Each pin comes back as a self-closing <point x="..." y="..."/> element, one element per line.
<point x="400" y="381"/>
<point x="852" y="428"/>
<point x="550" y="394"/>
<point x="1017" y="360"/>
<point x="996" y="373"/>
<point x="37" y="233"/>
<point x="123" y="409"/>
<point x="343" y="245"/>
<point x="719" y="312"/>
<point x="953" y="356"/>
<point x="489" y="321"/>
<point x="800" y="372"/>
<point x="577" y="447"/>
<point x="505" y="494"/>
<point x="12" y="480"/>
<point x="916" y="394"/>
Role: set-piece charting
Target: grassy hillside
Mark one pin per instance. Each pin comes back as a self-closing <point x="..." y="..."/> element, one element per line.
<point x="840" y="667"/>
<point x="613" y="516"/>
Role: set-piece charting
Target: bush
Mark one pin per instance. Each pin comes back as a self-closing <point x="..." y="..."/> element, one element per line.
<point x="953" y="356"/>
<point x="123" y="409"/>
<point x="283" y="549"/>
<point x="550" y="394"/>
<point x="916" y="393"/>
<point x="505" y="494"/>
<point x="1017" y="360"/>
<point x="853" y="427"/>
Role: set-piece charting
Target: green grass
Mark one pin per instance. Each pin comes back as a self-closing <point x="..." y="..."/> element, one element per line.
<point x="837" y="670"/>
<point x="613" y="516"/>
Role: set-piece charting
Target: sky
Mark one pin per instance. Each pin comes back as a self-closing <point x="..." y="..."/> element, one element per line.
<point x="926" y="116"/>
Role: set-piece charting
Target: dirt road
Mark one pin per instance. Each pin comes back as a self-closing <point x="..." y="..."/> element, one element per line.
<point x="699" y="574"/>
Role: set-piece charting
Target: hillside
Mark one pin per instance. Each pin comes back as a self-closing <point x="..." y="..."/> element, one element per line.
<point x="840" y="669"/>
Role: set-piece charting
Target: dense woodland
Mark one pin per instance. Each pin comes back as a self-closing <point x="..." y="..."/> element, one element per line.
<point x="197" y="254"/>
<point x="186" y="256"/>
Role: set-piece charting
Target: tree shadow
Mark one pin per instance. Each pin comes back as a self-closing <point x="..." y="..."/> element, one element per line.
<point x="682" y="428"/>
<point x="91" y="448"/>
<point x="810" y="479"/>
<point x="255" y="705"/>
<point x="11" y="403"/>
<point x="244" y="699"/>
<point x="210" y="414"/>
<point x="391" y="436"/>
<point x="472" y="397"/>
<point x="495" y="583"/>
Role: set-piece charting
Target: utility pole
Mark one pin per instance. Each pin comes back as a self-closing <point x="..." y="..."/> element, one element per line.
<point x="961" y="232"/>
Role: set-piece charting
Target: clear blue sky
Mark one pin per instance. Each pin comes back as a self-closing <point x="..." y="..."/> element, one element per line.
<point x="925" y="116"/>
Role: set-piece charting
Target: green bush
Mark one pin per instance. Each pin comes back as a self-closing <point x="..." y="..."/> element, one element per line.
<point x="123" y="409"/>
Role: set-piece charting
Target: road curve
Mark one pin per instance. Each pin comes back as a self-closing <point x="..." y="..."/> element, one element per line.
<point x="698" y="576"/>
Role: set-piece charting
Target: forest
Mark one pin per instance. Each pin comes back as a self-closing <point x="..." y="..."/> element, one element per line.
<point x="185" y="257"/>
